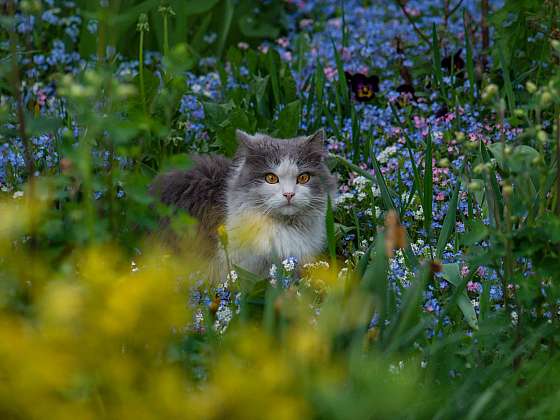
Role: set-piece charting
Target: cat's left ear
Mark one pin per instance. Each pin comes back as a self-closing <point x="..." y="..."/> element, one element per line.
<point x="317" y="139"/>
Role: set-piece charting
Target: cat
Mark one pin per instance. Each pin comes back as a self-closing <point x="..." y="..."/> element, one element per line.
<point x="271" y="200"/>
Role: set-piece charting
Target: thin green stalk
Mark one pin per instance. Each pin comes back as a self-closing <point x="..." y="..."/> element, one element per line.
<point x="27" y="145"/>
<point x="558" y="163"/>
<point x="142" y="27"/>
<point x="141" y="71"/>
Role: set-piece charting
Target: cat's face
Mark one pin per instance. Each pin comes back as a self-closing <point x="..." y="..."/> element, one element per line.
<point x="285" y="177"/>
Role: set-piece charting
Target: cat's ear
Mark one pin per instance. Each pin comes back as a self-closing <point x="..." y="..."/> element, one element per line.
<point x="244" y="139"/>
<point x="317" y="139"/>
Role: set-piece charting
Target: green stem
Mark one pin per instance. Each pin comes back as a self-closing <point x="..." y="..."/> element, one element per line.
<point x="165" y="37"/>
<point x="141" y="71"/>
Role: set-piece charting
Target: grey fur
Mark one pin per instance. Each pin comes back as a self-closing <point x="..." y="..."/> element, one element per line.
<point x="199" y="191"/>
<point x="217" y="190"/>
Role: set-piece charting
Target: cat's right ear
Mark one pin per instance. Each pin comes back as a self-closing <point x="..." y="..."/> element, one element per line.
<point x="244" y="139"/>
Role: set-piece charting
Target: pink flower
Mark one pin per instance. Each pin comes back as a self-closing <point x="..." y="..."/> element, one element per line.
<point x="440" y="196"/>
<point x="464" y="270"/>
<point x="336" y="22"/>
<point x="41" y="98"/>
<point x="287" y="56"/>
<point x="330" y="72"/>
<point x="283" y="42"/>
<point x="304" y="23"/>
<point x="474" y="287"/>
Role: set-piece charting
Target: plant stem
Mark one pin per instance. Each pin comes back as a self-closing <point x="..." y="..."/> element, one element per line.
<point x="165" y="36"/>
<point x="409" y="18"/>
<point x="27" y="146"/>
<point x="558" y="164"/>
<point x="141" y="71"/>
<point x="484" y="11"/>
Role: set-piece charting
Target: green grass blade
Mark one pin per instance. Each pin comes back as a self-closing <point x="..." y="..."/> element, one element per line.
<point x="507" y="80"/>
<point x="225" y="26"/>
<point x="449" y="221"/>
<point x="428" y="189"/>
<point x="274" y="77"/>
<point x="407" y="318"/>
<point x="436" y="62"/>
<point x="341" y="83"/>
<point x="331" y="239"/>
<point x="470" y="60"/>
<point x="410" y="148"/>
<point x="452" y="274"/>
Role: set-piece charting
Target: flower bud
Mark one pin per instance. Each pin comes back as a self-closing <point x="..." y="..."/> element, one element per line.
<point x="507" y="189"/>
<point x="460" y="136"/>
<point x="443" y="163"/>
<point x="519" y="113"/>
<point x="475" y="186"/>
<point x="542" y="136"/>
<point x="546" y="99"/>
<point x="480" y="168"/>
<point x="489" y="92"/>
<point x="531" y="87"/>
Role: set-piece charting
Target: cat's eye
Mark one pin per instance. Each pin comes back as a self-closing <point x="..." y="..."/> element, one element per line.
<point x="303" y="178"/>
<point x="271" y="178"/>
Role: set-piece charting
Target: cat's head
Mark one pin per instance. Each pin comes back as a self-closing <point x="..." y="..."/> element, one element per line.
<point x="282" y="177"/>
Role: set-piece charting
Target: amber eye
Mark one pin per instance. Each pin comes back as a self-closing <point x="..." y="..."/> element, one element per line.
<point x="303" y="178"/>
<point x="271" y="178"/>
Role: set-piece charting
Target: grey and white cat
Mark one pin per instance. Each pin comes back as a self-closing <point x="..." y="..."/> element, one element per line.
<point x="271" y="198"/>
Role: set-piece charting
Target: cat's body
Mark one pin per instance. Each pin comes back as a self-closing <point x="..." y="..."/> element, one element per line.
<point x="271" y="198"/>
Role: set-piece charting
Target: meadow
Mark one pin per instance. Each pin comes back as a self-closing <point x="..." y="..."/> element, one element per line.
<point x="435" y="296"/>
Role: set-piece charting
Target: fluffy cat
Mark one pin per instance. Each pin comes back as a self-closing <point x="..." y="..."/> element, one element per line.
<point x="271" y="198"/>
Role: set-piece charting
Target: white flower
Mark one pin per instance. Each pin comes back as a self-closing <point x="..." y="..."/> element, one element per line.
<point x="368" y="212"/>
<point x="362" y="196"/>
<point x="343" y="197"/>
<point x="386" y="153"/>
<point x="223" y="318"/>
<point x="273" y="270"/>
<point x="375" y="191"/>
<point x="17" y="194"/>
<point x="360" y="182"/>
<point x="289" y="264"/>
<point x="232" y="276"/>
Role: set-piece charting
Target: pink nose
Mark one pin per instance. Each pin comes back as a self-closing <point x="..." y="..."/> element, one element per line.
<point x="289" y="195"/>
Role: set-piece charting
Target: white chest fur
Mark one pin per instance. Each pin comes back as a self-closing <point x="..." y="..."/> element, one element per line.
<point x="255" y="241"/>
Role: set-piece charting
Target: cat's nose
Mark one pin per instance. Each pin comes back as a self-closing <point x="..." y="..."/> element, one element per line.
<point x="289" y="195"/>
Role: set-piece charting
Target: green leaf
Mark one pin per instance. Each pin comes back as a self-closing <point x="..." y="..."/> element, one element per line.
<point x="475" y="232"/>
<point x="428" y="189"/>
<point x="289" y="120"/>
<point x="521" y="158"/>
<point x="247" y="281"/>
<point x="331" y="239"/>
<point x="448" y="222"/>
<point x="252" y="27"/>
<point x="451" y="273"/>
<point x="195" y="7"/>
<point x="227" y="17"/>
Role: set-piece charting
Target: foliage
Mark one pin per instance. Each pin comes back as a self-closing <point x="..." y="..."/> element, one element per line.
<point x="439" y="297"/>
